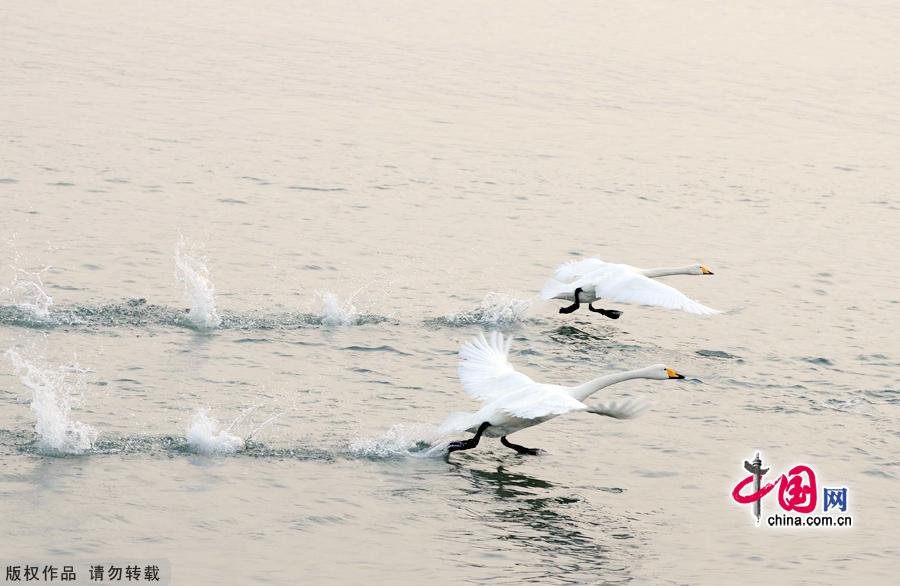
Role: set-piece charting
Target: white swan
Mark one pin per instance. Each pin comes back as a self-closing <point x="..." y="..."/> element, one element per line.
<point x="512" y="401"/>
<point x="591" y="279"/>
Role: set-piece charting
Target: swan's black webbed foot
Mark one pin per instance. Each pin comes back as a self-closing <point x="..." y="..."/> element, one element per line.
<point x="469" y="443"/>
<point x="575" y="305"/>
<point x="610" y="313"/>
<point x="520" y="449"/>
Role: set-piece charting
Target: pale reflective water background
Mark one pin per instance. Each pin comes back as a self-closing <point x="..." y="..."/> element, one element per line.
<point x="415" y="158"/>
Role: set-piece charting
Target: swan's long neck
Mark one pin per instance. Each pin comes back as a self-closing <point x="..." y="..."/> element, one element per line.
<point x="652" y="273"/>
<point x="582" y="392"/>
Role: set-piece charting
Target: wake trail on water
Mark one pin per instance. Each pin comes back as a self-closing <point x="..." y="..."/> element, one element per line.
<point x="203" y="439"/>
<point x="138" y="313"/>
<point x="26" y="303"/>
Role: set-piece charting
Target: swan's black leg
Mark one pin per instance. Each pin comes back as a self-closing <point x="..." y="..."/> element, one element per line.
<point x="610" y="313"/>
<point x="469" y="443"/>
<point x="575" y="305"/>
<point x="518" y="448"/>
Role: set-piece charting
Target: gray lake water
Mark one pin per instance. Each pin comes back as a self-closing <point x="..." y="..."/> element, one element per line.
<point x="367" y="185"/>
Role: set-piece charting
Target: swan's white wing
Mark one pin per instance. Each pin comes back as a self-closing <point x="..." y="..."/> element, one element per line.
<point x="624" y="409"/>
<point x="573" y="269"/>
<point x="537" y="401"/>
<point x="623" y="284"/>
<point x="568" y="274"/>
<point x="485" y="371"/>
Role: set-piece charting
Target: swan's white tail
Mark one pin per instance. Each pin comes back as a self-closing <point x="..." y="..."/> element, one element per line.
<point x="554" y="288"/>
<point x="457" y="422"/>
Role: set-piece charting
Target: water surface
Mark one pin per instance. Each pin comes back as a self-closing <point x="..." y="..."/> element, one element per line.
<point x="363" y="187"/>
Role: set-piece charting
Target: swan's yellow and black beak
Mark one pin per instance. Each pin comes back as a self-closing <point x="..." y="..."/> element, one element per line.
<point x="673" y="374"/>
<point x="706" y="271"/>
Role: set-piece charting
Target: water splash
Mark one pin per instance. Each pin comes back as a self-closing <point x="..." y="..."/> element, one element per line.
<point x="54" y="392"/>
<point x="495" y="310"/>
<point x="247" y="416"/>
<point x="205" y="437"/>
<point x="192" y="273"/>
<point x="27" y="294"/>
<point x="334" y="313"/>
<point x="400" y="440"/>
<point x="498" y="308"/>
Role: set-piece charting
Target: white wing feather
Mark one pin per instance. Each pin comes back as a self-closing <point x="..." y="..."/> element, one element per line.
<point x="485" y="371"/>
<point x="625" y="409"/>
<point x="573" y="269"/>
<point x="538" y="401"/>
<point x="623" y="284"/>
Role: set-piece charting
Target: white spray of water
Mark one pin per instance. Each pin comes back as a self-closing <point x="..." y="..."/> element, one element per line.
<point x="205" y="437"/>
<point x="192" y="274"/>
<point x="54" y="392"/>
<point x="255" y="428"/>
<point x="26" y="292"/>
<point x="334" y="313"/>
<point x="495" y="310"/>
<point x="400" y="440"/>
<point x="499" y="308"/>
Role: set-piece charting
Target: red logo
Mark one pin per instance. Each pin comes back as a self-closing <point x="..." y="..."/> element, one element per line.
<point x="798" y="494"/>
<point x="797" y="489"/>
